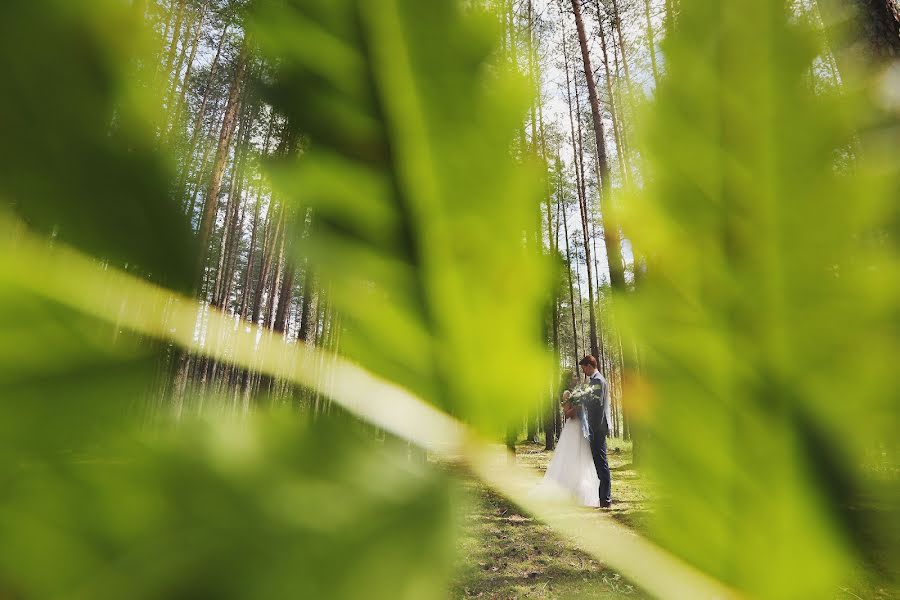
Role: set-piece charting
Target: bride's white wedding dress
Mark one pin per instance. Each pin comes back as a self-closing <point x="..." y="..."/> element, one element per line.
<point x="572" y="467"/>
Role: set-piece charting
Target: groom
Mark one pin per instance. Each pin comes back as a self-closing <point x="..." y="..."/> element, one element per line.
<point x="598" y="417"/>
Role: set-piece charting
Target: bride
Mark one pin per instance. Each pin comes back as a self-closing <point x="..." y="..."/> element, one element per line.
<point x="572" y="466"/>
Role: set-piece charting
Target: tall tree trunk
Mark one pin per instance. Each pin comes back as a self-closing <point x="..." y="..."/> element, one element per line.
<point x="179" y="106"/>
<point x="170" y="15"/>
<point x="233" y="254"/>
<point x="610" y="225"/>
<point x="241" y="151"/>
<point x="571" y="285"/>
<point x="201" y="113"/>
<point x="245" y="288"/>
<point x="227" y="229"/>
<point x="277" y="277"/>
<point x="176" y="35"/>
<point x="562" y="216"/>
<point x="228" y="125"/>
<point x="198" y="178"/>
<point x="287" y="286"/>
<point x="176" y="70"/>
<point x="232" y="210"/>
<point x="306" y="304"/>
<point x="595" y="348"/>
<point x="619" y="139"/>
<point x="651" y="42"/>
<point x="617" y="21"/>
<point x="245" y="292"/>
<point x="273" y="228"/>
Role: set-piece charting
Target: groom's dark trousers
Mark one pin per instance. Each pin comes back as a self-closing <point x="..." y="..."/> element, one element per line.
<point x="598" y="451"/>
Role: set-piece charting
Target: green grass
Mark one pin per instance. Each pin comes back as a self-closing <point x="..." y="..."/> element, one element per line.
<point x="504" y="554"/>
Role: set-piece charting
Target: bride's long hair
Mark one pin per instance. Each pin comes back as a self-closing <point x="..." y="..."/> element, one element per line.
<point x="568" y="382"/>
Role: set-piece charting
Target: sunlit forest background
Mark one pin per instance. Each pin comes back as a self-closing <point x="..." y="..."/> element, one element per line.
<point x="290" y="290"/>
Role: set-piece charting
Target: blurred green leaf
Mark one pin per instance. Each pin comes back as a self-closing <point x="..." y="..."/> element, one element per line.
<point x="420" y="212"/>
<point x="67" y="381"/>
<point x="768" y="321"/>
<point x="265" y="509"/>
<point x="78" y="155"/>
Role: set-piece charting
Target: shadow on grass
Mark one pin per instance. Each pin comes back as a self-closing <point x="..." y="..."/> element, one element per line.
<point x="625" y="467"/>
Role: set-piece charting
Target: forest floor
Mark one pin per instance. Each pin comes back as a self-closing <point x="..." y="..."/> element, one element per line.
<point x="504" y="554"/>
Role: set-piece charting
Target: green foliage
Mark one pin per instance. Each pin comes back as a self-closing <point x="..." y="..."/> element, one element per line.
<point x="91" y="506"/>
<point x="264" y="509"/>
<point x="61" y="380"/>
<point x="419" y="209"/>
<point x="77" y="152"/>
<point x="768" y="319"/>
<point x="766" y="328"/>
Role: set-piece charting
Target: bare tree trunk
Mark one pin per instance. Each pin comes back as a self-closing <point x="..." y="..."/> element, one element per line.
<point x="610" y="226"/>
<point x="228" y="125"/>
<point x="198" y="124"/>
<point x="582" y="203"/>
<point x="233" y="254"/>
<point x="278" y="276"/>
<point x="227" y="228"/>
<point x="287" y="287"/>
<point x="236" y="232"/>
<point x="651" y="41"/>
<point x="198" y="176"/>
<point x="170" y="22"/>
<point x="306" y="304"/>
<point x="245" y="291"/>
<point x="269" y="245"/>
<point x="617" y="21"/>
<point x="179" y="106"/>
<point x="571" y="286"/>
<point x="619" y="139"/>
<point x="176" y="35"/>
<point x="549" y="408"/>
<point x="176" y="71"/>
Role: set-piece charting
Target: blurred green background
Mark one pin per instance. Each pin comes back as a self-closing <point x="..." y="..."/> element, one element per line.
<point x="433" y="191"/>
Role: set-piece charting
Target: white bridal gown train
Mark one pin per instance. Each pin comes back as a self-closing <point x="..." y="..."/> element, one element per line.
<point x="572" y="467"/>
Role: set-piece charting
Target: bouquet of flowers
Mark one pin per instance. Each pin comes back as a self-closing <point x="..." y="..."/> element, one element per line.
<point x="577" y="396"/>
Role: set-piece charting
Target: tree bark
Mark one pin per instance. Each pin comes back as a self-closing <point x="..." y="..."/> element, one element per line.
<point x="610" y="225"/>
<point x="620" y="147"/>
<point x="582" y="203"/>
<point x="176" y="70"/>
<point x="651" y="42"/>
<point x="617" y="21"/>
<point x="277" y="276"/>
<point x="179" y="106"/>
<point x="571" y="285"/>
<point x="245" y="291"/>
<point x="176" y="35"/>
<point x="306" y="304"/>
<point x="198" y="123"/>
<point x="228" y="125"/>
<point x="287" y="286"/>
<point x="272" y="232"/>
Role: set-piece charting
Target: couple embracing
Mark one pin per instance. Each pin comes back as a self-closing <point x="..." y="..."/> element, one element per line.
<point x="580" y="465"/>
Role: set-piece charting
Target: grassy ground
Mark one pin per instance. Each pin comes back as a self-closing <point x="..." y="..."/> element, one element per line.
<point x="505" y="554"/>
<point x="508" y="555"/>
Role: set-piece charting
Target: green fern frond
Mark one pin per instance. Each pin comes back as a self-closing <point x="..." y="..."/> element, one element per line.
<point x="766" y="319"/>
<point x="421" y="214"/>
